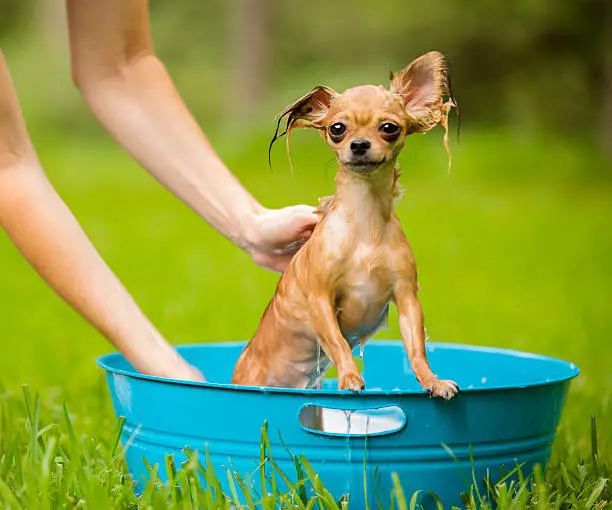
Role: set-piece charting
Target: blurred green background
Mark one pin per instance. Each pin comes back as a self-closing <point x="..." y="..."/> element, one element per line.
<point x="514" y="246"/>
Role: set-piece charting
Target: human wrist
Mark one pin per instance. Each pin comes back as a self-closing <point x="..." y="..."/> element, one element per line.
<point x="249" y="236"/>
<point x="163" y="360"/>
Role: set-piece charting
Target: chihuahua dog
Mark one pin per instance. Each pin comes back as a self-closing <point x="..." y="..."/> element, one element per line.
<point x="336" y="291"/>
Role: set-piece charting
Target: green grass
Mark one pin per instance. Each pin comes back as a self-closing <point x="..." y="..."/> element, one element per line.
<point x="514" y="249"/>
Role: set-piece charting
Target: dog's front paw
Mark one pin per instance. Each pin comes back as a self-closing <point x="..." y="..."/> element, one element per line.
<point x="351" y="381"/>
<point x="443" y="389"/>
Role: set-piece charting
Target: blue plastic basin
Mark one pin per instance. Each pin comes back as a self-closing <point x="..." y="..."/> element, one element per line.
<point x="507" y="413"/>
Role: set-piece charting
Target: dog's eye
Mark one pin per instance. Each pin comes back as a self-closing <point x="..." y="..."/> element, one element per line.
<point x="337" y="131"/>
<point x="389" y="128"/>
<point x="390" y="131"/>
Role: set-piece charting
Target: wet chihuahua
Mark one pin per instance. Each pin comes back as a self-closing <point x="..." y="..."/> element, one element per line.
<point x="336" y="291"/>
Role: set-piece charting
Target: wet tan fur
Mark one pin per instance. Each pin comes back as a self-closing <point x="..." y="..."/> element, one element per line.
<point x="336" y="291"/>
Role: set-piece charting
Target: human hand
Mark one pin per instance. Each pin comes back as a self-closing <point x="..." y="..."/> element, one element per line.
<point x="193" y="374"/>
<point x="276" y="234"/>
<point x="173" y="366"/>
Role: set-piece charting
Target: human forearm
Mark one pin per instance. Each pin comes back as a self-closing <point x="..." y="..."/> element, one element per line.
<point x="140" y="107"/>
<point x="132" y="95"/>
<point x="49" y="237"/>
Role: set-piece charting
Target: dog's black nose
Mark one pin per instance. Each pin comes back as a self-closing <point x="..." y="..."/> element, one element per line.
<point x="359" y="146"/>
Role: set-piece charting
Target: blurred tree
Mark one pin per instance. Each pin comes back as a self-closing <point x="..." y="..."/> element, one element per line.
<point x="531" y="64"/>
<point x="52" y="24"/>
<point x="248" y="40"/>
<point x="12" y="15"/>
<point x="606" y="109"/>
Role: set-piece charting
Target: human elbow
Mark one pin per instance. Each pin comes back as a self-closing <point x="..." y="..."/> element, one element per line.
<point x="89" y="79"/>
<point x="92" y="78"/>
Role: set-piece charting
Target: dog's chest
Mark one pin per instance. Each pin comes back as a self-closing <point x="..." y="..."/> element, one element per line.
<point x="363" y="293"/>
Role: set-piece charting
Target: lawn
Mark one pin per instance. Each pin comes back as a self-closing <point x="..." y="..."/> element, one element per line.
<point x="514" y="248"/>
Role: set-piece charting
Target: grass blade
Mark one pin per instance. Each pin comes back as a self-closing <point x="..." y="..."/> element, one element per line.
<point x="399" y="492"/>
<point x="596" y="493"/>
<point x="118" y="431"/>
<point x="594" y="450"/>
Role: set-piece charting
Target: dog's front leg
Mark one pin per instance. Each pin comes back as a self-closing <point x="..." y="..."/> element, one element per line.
<point x="325" y="325"/>
<point x="413" y="334"/>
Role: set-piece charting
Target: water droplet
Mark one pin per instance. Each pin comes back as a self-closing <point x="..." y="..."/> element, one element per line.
<point x="483" y="380"/>
<point x="361" y="346"/>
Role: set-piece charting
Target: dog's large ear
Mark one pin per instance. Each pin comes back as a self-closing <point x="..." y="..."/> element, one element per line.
<point x="424" y="86"/>
<point x="308" y="111"/>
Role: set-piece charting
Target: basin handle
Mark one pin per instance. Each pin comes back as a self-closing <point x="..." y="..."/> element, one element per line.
<point x="344" y="421"/>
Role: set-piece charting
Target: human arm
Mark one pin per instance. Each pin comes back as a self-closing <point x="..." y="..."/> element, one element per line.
<point x="50" y="238"/>
<point x="132" y="95"/>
